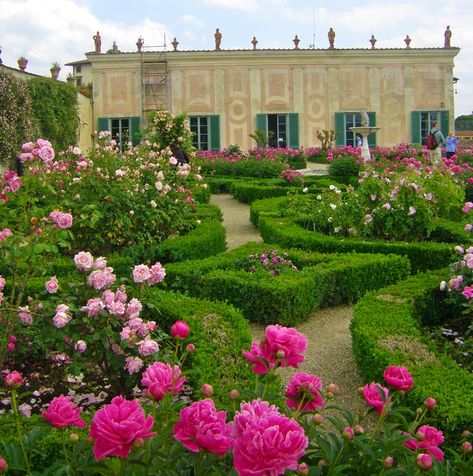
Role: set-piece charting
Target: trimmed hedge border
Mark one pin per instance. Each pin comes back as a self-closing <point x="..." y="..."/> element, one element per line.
<point x="323" y="280"/>
<point x="386" y="330"/>
<point x="287" y="233"/>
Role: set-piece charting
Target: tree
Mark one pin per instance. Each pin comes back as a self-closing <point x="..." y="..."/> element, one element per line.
<point x="464" y="123"/>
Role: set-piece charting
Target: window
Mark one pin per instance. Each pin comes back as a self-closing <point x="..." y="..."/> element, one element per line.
<point x="78" y="69"/>
<point x="79" y="81"/>
<point x="345" y="120"/>
<point x="123" y="129"/>
<point x="281" y="130"/>
<point x="205" y="132"/>
<point x="422" y="123"/>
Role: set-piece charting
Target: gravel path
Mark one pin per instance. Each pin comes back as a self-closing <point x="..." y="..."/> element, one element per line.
<point x="330" y="351"/>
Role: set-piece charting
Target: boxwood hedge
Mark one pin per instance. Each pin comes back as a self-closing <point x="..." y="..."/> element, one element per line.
<point x="386" y="330"/>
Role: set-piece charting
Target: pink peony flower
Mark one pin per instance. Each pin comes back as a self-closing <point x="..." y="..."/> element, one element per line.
<point x="207" y="390"/>
<point x="158" y="273"/>
<point x="141" y="273"/>
<point x="200" y="426"/>
<point x="84" y="261"/>
<point x="376" y="396"/>
<point x="62" y="413"/>
<point x="430" y="403"/>
<point x="467" y="292"/>
<point x="266" y="442"/>
<point x="399" y="378"/>
<point x="116" y="426"/>
<point x="3" y="465"/>
<point x="13" y="380"/>
<point x="180" y="330"/>
<point x="161" y="379"/>
<point x="427" y="438"/>
<point x="304" y="388"/>
<point x="52" y="285"/>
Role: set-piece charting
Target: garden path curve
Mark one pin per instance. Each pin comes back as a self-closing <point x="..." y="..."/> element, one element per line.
<point x="330" y="353"/>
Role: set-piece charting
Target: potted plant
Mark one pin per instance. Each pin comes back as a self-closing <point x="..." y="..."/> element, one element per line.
<point x="22" y="62"/>
<point x="55" y="68"/>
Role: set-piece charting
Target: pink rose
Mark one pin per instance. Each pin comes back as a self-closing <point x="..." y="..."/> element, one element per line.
<point x="116" y="426"/>
<point x="94" y="306"/>
<point x="5" y="233"/>
<point x="116" y="308"/>
<point x="376" y="396"/>
<point x="46" y="153"/>
<point x="141" y="273"/>
<point x="13" y="380"/>
<point x="157" y="274"/>
<point x="180" y="330"/>
<point x="266" y="442"/>
<point x="64" y="221"/>
<point x="61" y="319"/>
<point x="52" y="285"/>
<point x="100" y="263"/>
<point x="100" y="279"/>
<point x="147" y="346"/>
<point x="161" y="379"/>
<point x="133" y="307"/>
<point x="84" y="261"/>
<point x="200" y="426"/>
<point x="399" y="378"/>
<point x="427" y="438"/>
<point x="303" y="392"/>
<point x="2" y="283"/>
<point x="62" y="413"/>
<point x="24" y="315"/>
<point x="81" y="346"/>
<point x="133" y="364"/>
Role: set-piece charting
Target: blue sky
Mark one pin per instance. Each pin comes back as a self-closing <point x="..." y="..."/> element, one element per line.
<point x="61" y="30"/>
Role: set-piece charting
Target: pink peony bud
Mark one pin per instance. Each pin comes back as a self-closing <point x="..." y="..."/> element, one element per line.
<point x="302" y="469"/>
<point x="190" y="348"/>
<point x="14" y="380"/>
<point x="348" y="433"/>
<point x="318" y="419"/>
<point x="234" y="394"/>
<point x="74" y="437"/>
<point x="332" y="387"/>
<point x="180" y="330"/>
<point x="359" y="429"/>
<point x="466" y="434"/>
<point x="430" y="403"/>
<point x="388" y="462"/>
<point x="466" y="447"/>
<point x="207" y="390"/>
<point x="3" y="465"/>
<point x="11" y="346"/>
<point x="424" y="461"/>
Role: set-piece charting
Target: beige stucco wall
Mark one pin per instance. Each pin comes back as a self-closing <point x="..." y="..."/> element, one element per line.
<point x="85" y="134"/>
<point x="238" y="84"/>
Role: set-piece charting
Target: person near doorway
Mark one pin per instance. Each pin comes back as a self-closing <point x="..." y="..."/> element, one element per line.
<point x="359" y="140"/>
<point x="435" y="154"/>
<point x="451" y="145"/>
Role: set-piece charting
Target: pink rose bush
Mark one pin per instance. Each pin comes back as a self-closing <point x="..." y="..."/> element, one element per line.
<point x="117" y="426"/>
<point x="62" y="413"/>
<point x="202" y="427"/>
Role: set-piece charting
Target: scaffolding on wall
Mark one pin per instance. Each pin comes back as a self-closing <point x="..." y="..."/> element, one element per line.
<point x="154" y="78"/>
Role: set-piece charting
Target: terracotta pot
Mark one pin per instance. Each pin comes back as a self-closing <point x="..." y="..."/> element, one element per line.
<point x="22" y="64"/>
<point x="55" y="72"/>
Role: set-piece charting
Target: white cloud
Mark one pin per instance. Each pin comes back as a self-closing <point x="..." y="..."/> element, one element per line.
<point x="192" y="20"/>
<point x="244" y="5"/>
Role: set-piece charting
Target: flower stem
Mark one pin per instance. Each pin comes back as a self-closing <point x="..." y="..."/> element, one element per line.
<point x="18" y="429"/>
<point x="66" y="455"/>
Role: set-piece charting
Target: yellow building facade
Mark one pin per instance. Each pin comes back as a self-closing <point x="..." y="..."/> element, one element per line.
<point x="287" y="93"/>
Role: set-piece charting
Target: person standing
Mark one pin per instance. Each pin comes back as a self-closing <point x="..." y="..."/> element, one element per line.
<point x="435" y="153"/>
<point x="451" y="145"/>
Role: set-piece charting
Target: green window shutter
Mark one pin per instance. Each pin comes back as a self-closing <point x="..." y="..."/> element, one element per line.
<point x="444" y="122"/>
<point x="135" y="125"/>
<point x="340" y="128"/>
<point x="102" y="124"/>
<point x="262" y="123"/>
<point x="415" y="128"/>
<point x="293" y="130"/>
<point x="214" y="132"/>
<point x="372" y="136"/>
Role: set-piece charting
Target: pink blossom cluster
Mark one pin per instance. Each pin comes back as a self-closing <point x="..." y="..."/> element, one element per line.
<point x="291" y="175"/>
<point x="62" y="220"/>
<point x="5" y="233"/>
<point x="281" y="346"/>
<point x="41" y="149"/>
<point x="151" y="275"/>
<point x="9" y="184"/>
<point x="101" y="276"/>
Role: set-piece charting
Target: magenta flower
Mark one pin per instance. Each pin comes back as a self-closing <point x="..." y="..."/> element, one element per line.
<point x="200" y="426"/>
<point x="424" y="461"/>
<point x="13" y="380"/>
<point x="256" y="356"/>
<point x="116" y="426"/>
<point x="62" y="413"/>
<point x="180" y="330"/>
<point x="376" y="396"/>
<point x="266" y="442"/>
<point x="304" y="388"/>
<point x="399" y="378"/>
<point x="161" y="379"/>
<point x="467" y="292"/>
<point x="427" y="438"/>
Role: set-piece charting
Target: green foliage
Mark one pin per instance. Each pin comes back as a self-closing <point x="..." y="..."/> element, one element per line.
<point x="326" y="138"/>
<point x="344" y="168"/>
<point x="386" y="330"/>
<point x="246" y="167"/>
<point x="16" y="118"/>
<point x="260" y="138"/>
<point x="290" y="297"/>
<point x="464" y="122"/>
<point x="55" y="108"/>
